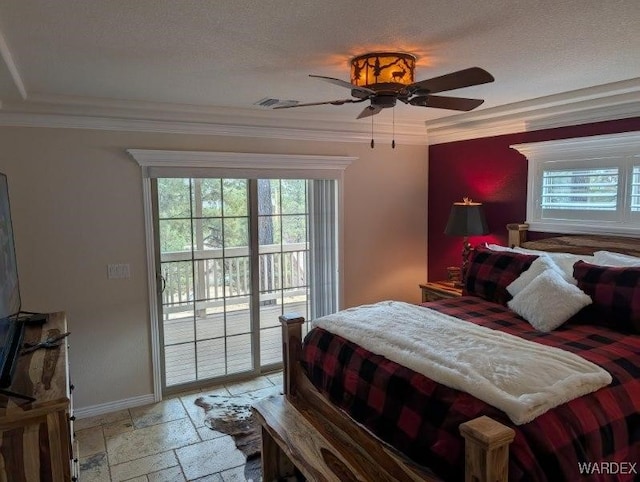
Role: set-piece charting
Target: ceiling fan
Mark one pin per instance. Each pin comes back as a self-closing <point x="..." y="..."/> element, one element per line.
<point x="386" y="77"/>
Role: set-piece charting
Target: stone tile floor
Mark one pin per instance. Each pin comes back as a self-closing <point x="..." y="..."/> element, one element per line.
<point x="165" y="441"/>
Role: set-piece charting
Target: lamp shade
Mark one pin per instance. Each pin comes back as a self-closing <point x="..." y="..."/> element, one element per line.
<point x="383" y="69"/>
<point x="466" y="219"/>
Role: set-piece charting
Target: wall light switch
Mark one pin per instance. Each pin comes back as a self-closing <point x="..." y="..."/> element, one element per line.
<point x="118" y="271"/>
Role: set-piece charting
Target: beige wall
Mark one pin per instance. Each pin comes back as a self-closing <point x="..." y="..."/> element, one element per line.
<point x="76" y="200"/>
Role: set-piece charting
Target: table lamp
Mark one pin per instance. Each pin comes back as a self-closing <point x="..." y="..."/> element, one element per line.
<point x="466" y="219"/>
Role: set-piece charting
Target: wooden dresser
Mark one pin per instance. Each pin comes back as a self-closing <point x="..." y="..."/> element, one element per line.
<point x="36" y="438"/>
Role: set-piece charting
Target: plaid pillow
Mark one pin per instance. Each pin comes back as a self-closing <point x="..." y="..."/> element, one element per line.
<point x="615" y="293"/>
<point x="490" y="272"/>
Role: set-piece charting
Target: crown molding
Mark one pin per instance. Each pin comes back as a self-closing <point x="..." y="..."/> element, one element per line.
<point x="618" y="100"/>
<point x="116" y="115"/>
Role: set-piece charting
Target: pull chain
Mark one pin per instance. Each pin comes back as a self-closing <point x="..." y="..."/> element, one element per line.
<point x="372" y="142"/>
<point x="393" y="128"/>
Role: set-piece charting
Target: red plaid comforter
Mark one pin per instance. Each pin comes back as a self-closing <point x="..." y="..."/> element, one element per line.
<point x="421" y="417"/>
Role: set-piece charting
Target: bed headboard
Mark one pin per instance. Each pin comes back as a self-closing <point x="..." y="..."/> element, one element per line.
<point x="585" y="244"/>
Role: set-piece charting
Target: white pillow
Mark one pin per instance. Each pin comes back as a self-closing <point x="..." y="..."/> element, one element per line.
<point x="548" y="301"/>
<point x="536" y="252"/>
<point x="497" y="247"/>
<point x="539" y="266"/>
<point x="565" y="261"/>
<point x="607" y="258"/>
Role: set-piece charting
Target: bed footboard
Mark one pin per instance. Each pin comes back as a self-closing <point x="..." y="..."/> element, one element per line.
<point x="486" y="441"/>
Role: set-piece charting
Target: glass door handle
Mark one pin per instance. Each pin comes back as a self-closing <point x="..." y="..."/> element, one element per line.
<point x="162" y="282"/>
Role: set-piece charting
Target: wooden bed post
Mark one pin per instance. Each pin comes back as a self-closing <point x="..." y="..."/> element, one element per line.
<point x="486" y="449"/>
<point x="291" y="350"/>
<point x="517" y="234"/>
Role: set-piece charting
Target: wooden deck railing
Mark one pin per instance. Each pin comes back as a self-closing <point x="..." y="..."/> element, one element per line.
<point x="213" y="277"/>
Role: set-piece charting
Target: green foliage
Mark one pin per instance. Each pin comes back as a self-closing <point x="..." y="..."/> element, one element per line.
<point x="209" y="213"/>
<point x="210" y="200"/>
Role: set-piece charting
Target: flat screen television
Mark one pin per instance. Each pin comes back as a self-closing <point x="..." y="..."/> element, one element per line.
<point x="11" y="325"/>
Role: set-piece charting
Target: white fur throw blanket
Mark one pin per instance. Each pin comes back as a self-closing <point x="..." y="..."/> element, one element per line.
<point x="522" y="378"/>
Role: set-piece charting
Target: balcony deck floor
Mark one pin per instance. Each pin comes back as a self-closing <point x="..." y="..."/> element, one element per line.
<point x="195" y="351"/>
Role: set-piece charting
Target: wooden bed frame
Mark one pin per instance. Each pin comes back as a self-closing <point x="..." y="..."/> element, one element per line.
<point x="304" y="434"/>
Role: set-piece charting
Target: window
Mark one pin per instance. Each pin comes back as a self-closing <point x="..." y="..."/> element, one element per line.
<point x="584" y="185"/>
<point x="635" y="189"/>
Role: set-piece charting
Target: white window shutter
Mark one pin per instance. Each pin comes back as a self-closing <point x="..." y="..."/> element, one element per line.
<point x="584" y="185"/>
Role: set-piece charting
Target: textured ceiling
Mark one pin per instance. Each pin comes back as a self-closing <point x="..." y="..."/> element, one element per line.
<point x="234" y="53"/>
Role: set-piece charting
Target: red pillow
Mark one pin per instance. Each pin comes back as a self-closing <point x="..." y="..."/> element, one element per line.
<point x="615" y="293"/>
<point x="490" y="272"/>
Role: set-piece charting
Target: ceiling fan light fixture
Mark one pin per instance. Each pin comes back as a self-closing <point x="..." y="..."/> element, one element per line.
<point x="382" y="78"/>
<point x="379" y="69"/>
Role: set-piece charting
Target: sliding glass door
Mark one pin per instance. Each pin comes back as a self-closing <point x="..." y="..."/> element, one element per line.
<point x="232" y="255"/>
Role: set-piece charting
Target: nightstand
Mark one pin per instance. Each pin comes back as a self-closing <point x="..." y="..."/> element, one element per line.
<point x="438" y="290"/>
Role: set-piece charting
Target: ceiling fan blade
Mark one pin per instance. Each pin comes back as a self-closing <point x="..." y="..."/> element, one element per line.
<point x="333" y="102"/>
<point x="443" y="102"/>
<point x="369" y="111"/>
<point x="452" y="81"/>
<point x="355" y="90"/>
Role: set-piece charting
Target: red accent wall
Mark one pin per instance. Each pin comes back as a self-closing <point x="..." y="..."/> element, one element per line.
<point x="488" y="171"/>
